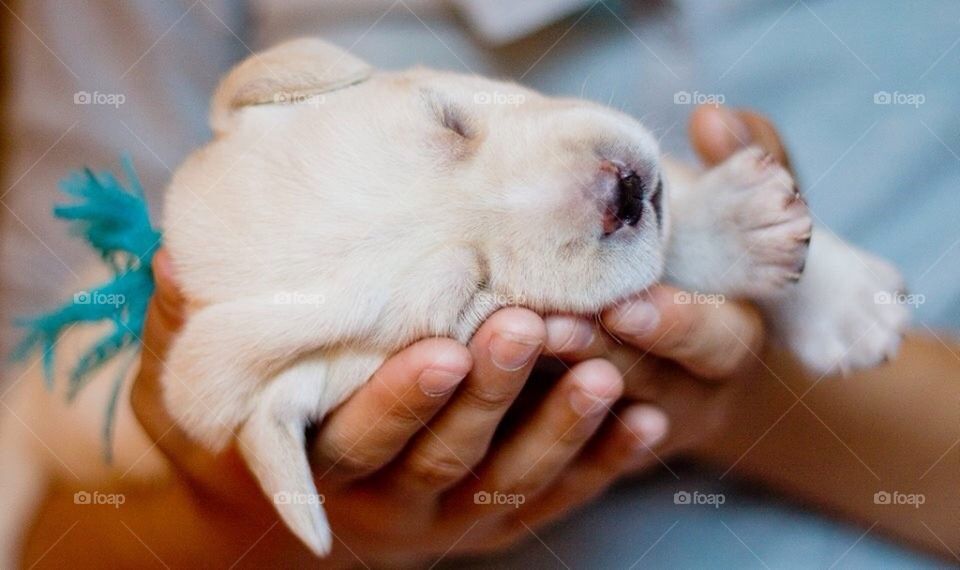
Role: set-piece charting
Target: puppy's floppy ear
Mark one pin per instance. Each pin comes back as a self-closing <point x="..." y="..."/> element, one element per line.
<point x="290" y="71"/>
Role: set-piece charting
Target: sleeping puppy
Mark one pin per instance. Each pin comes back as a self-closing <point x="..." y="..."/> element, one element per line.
<point x="342" y="213"/>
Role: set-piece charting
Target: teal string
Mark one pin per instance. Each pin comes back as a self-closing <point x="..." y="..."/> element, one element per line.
<point x="114" y="220"/>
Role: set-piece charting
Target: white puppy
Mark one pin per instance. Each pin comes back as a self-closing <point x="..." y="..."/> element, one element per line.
<point x="342" y="213"/>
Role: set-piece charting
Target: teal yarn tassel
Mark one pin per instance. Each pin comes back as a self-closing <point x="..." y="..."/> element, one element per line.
<point x="115" y="222"/>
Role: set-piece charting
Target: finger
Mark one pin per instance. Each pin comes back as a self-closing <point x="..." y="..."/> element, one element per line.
<point x="717" y="132"/>
<point x="167" y="304"/>
<point x="688" y="400"/>
<point x="566" y="340"/>
<point x="766" y="136"/>
<point x="697" y="409"/>
<point x="540" y="449"/>
<point x="573" y="338"/>
<point x="576" y="339"/>
<point x="504" y="350"/>
<point x="165" y="315"/>
<point x="633" y="436"/>
<point x="375" y="424"/>
<point x="711" y="340"/>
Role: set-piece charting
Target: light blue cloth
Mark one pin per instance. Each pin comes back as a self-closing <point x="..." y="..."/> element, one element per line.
<point x="883" y="176"/>
<point x="637" y="525"/>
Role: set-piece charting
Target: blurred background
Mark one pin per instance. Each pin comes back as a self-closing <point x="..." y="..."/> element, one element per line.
<point x="865" y="92"/>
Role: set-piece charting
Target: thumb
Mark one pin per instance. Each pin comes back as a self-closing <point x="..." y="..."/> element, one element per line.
<point x="717" y="132"/>
<point x="165" y="315"/>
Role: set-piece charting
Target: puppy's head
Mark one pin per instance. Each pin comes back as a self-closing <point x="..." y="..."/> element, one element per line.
<point x="562" y="200"/>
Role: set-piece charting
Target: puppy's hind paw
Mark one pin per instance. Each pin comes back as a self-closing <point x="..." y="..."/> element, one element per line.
<point x="275" y="453"/>
<point x="849" y="312"/>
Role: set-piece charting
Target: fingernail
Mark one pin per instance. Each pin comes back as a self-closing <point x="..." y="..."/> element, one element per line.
<point x="568" y="334"/>
<point x="736" y="127"/>
<point x="511" y="352"/>
<point x="638" y="317"/>
<point x="436" y="383"/>
<point x="586" y="403"/>
<point x="649" y="423"/>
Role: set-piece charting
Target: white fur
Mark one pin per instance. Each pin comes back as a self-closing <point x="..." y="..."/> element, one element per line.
<point x="337" y="217"/>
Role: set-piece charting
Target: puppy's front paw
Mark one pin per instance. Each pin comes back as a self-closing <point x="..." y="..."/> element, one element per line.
<point x="849" y="310"/>
<point x="763" y="215"/>
<point x="754" y="227"/>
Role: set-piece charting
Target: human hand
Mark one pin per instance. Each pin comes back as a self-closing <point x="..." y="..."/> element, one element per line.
<point x="401" y="463"/>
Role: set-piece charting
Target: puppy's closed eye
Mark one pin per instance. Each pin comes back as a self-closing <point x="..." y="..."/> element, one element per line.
<point x="450" y="115"/>
<point x="458" y="137"/>
<point x="455" y="119"/>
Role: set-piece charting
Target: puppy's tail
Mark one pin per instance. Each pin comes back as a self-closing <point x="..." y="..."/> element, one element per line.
<point x="22" y="477"/>
<point x="272" y="441"/>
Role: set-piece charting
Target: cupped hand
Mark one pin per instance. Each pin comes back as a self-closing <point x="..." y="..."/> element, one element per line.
<point x="420" y="463"/>
<point x="407" y="466"/>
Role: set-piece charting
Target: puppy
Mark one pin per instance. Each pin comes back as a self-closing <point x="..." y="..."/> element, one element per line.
<point x="342" y="213"/>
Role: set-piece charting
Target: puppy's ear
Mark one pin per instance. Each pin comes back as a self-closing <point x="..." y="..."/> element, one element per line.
<point x="288" y="72"/>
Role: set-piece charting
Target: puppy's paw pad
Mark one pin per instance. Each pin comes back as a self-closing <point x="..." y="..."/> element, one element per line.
<point x="752" y="166"/>
<point x="763" y="217"/>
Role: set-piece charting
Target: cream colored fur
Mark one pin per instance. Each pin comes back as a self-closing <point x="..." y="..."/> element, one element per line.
<point x="342" y="213"/>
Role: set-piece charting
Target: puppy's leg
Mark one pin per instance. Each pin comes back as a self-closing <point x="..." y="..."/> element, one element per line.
<point x="740" y="229"/>
<point x="844" y="313"/>
<point x="256" y="367"/>
<point x="227" y="352"/>
<point x="272" y="443"/>
<point x="272" y="439"/>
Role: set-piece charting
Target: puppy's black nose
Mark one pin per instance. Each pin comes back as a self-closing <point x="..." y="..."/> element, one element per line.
<point x="627" y="194"/>
<point x="630" y="191"/>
